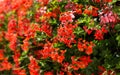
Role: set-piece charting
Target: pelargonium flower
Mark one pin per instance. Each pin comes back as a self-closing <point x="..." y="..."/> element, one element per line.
<point x="66" y="35"/>
<point x="99" y="35"/>
<point x="33" y="66"/>
<point x="66" y="17"/>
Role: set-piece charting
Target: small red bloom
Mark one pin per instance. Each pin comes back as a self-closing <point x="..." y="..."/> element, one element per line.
<point x="99" y="35"/>
<point x="25" y="44"/>
<point x="89" y="31"/>
<point x="89" y="50"/>
<point x="66" y="17"/>
<point x="5" y="65"/>
<point x="46" y="28"/>
<point x="16" y="58"/>
<point x="94" y="11"/>
<point x="104" y="30"/>
<point x="18" y="71"/>
<point x="1" y="54"/>
<point x="87" y="11"/>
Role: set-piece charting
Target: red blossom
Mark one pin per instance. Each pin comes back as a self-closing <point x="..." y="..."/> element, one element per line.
<point x="18" y="71"/>
<point x="66" y="17"/>
<point x="33" y="66"/>
<point x="89" y="31"/>
<point x="1" y="54"/>
<point x="12" y="38"/>
<point x="81" y="62"/>
<point x="48" y="73"/>
<point x="94" y="11"/>
<point x="5" y="65"/>
<point x="99" y="35"/>
<point x="51" y="52"/>
<point x="89" y="50"/>
<point x="25" y="45"/>
<point x="48" y="49"/>
<point x="85" y="46"/>
<point x="46" y="28"/>
<point x="66" y="35"/>
<point x="87" y="11"/>
<point x="16" y="57"/>
<point x="104" y="30"/>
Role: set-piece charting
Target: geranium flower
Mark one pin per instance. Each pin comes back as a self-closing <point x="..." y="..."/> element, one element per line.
<point x="99" y="35"/>
<point x="1" y="54"/>
<point x="33" y="66"/>
<point x="5" y="65"/>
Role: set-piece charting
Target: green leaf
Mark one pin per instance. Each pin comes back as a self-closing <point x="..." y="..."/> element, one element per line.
<point x="79" y="31"/>
<point x="118" y="65"/>
<point x="117" y="27"/>
<point x="118" y="39"/>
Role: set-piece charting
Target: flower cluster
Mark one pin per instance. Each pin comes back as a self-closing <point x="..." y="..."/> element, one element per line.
<point x="59" y="37"/>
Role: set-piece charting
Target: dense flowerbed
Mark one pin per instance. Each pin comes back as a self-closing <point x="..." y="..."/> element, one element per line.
<point x="59" y="37"/>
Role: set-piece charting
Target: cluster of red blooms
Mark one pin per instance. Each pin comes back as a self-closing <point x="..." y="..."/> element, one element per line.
<point x="18" y="71"/>
<point x="91" y="10"/>
<point x="66" y="17"/>
<point x="65" y="34"/>
<point x="74" y="7"/>
<point x="33" y="66"/>
<point x="99" y="33"/>
<point x="50" y="51"/>
<point x="83" y="45"/>
<point x="11" y="35"/>
<point x="5" y="64"/>
<point x="21" y="35"/>
<point x="81" y="62"/>
<point x="46" y="29"/>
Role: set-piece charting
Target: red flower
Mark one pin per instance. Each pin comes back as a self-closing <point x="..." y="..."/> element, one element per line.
<point x="2" y="18"/>
<point x="47" y="50"/>
<point x="46" y="28"/>
<point x="87" y="11"/>
<point x="5" y="65"/>
<point x="48" y="73"/>
<point x="66" y="35"/>
<point x="12" y="26"/>
<point x="80" y="46"/>
<point x="104" y="30"/>
<point x="85" y="46"/>
<point x="18" y="71"/>
<point x="1" y="54"/>
<point x="89" y="50"/>
<point x="16" y="58"/>
<point x="89" y="31"/>
<point x="66" y="17"/>
<point x="81" y="62"/>
<point x="25" y="44"/>
<point x="94" y="11"/>
<point x="33" y="66"/>
<point x="98" y="35"/>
